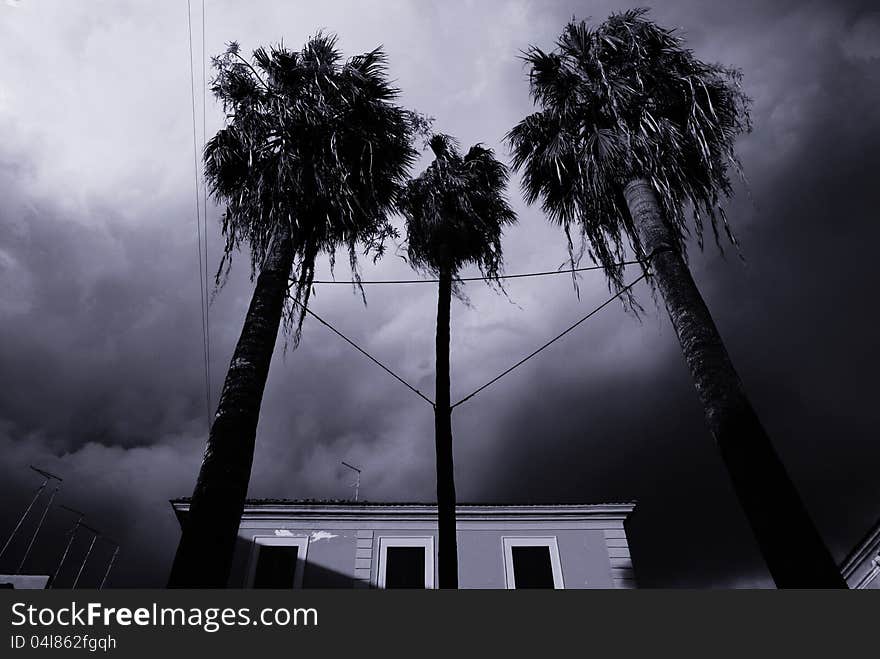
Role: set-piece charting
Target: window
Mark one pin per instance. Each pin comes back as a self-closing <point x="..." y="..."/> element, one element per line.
<point x="406" y="562"/>
<point x="277" y="562"/>
<point x="276" y="565"/>
<point x="532" y="563"/>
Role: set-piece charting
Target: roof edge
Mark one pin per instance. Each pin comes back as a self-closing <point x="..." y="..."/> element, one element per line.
<point x="267" y="507"/>
<point x="869" y="544"/>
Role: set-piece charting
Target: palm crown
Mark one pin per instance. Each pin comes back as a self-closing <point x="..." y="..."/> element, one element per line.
<point x="456" y="210"/>
<point x="627" y="100"/>
<point x="312" y="144"/>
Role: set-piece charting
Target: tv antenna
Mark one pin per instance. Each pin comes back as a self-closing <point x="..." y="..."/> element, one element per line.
<point x="30" y="546"/>
<point x="357" y="482"/>
<point x="95" y="535"/>
<point x="70" y="536"/>
<point x="47" y="476"/>
<point x="110" y="564"/>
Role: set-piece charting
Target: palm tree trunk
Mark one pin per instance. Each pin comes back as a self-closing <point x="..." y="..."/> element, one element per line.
<point x="204" y="555"/>
<point x="790" y="543"/>
<point x="447" y="558"/>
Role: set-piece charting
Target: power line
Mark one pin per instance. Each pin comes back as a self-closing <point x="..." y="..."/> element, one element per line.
<point x="202" y="292"/>
<point x="551" y="341"/>
<point x="363" y="352"/>
<point x="464" y="279"/>
<point x="205" y="211"/>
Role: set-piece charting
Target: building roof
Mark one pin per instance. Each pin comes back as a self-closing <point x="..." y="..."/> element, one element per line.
<point x="865" y="550"/>
<point x="352" y="502"/>
<point x="347" y="507"/>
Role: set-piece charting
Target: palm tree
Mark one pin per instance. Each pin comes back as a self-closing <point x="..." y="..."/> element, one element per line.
<point x="311" y="159"/>
<point x="633" y="130"/>
<point x="455" y="211"/>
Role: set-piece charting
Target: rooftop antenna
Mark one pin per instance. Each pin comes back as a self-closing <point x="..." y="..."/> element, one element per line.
<point x="95" y="535"/>
<point x="70" y="536"/>
<point x="110" y="564"/>
<point x="357" y="482"/>
<point x="30" y="546"/>
<point x="46" y="478"/>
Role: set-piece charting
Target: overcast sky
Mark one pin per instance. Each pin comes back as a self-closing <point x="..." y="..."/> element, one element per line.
<point x="100" y="337"/>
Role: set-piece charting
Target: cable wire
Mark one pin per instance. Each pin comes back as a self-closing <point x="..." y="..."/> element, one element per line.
<point x="463" y="279"/>
<point x="202" y="292"/>
<point x="493" y="380"/>
<point x="550" y="342"/>
<point x="363" y="352"/>
<point x="205" y="211"/>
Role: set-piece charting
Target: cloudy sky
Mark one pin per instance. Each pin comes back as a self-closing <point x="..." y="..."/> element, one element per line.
<point x="100" y="337"/>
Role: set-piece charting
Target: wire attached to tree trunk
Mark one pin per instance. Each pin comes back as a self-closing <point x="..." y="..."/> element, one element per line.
<point x="493" y="380"/>
<point x="551" y="341"/>
<point x="363" y="352"/>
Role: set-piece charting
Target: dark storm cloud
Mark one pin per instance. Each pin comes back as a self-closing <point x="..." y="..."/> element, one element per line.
<point x="100" y="341"/>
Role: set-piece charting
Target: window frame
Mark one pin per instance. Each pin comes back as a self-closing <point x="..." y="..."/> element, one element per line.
<point x="508" y="542"/>
<point x="302" y="547"/>
<point x="426" y="542"/>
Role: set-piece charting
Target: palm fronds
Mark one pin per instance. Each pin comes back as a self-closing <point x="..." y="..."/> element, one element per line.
<point x="456" y="210"/>
<point x="627" y="99"/>
<point x="313" y="144"/>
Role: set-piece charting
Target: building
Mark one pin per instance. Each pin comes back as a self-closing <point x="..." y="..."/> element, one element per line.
<point x="345" y="544"/>
<point x="861" y="568"/>
<point x="24" y="581"/>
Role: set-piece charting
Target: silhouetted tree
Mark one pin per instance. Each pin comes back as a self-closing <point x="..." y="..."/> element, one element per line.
<point x="456" y="211"/>
<point x="311" y="159"/>
<point x="632" y="143"/>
